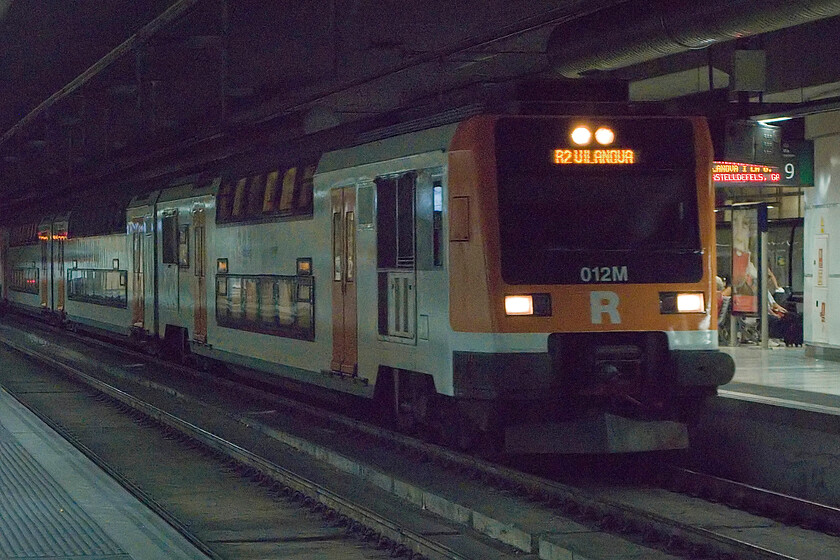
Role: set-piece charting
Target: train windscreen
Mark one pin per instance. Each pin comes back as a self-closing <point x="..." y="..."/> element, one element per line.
<point x="620" y="205"/>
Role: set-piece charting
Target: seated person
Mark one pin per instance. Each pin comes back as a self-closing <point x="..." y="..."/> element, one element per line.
<point x="775" y="316"/>
<point x="724" y="292"/>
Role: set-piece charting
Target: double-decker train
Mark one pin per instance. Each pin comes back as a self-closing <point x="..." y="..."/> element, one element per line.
<point x="546" y="281"/>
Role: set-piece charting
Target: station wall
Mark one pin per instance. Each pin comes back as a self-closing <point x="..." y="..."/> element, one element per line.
<point x="822" y="235"/>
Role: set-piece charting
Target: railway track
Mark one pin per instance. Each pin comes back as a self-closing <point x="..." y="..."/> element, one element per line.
<point x="523" y="512"/>
<point x="228" y="507"/>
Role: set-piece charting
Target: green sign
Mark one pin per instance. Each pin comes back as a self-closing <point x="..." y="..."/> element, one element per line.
<point x="797" y="164"/>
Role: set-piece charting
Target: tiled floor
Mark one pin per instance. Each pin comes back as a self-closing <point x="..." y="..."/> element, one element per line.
<point x="785" y="367"/>
<point x="55" y="503"/>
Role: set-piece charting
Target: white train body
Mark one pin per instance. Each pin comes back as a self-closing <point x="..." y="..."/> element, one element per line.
<point x="373" y="274"/>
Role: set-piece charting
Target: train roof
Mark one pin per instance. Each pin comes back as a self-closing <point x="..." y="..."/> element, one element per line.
<point x="420" y="142"/>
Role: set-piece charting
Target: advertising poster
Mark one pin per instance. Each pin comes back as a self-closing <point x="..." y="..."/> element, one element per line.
<point x="745" y="260"/>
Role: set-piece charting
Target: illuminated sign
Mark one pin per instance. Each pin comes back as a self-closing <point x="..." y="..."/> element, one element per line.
<point x="603" y="156"/>
<point x="731" y="172"/>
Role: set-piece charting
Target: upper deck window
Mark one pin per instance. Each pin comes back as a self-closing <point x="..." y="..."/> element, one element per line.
<point x="169" y="237"/>
<point x="23" y="234"/>
<point x="277" y="194"/>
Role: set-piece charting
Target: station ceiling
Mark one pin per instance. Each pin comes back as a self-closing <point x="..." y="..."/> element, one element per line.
<point x="94" y="92"/>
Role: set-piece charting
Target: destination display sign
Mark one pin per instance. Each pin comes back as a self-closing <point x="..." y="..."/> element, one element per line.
<point x="595" y="156"/>
<point x="740" y="173"/>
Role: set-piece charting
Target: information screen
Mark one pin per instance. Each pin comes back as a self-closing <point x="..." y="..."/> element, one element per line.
<point x="732" y="172"/>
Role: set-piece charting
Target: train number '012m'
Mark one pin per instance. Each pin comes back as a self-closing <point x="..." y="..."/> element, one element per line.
<point x="603" y="274"/>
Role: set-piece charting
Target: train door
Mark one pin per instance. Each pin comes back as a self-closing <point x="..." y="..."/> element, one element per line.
<point x="395" y="255"/>
<point x="176" y="283"/>
<point x="345" y="339"/>
<point x="171" y="302"/>
<point x="199" y="235"/>
<point x="59" y="238"/>
<point x="138" y="289"/>
<point x="45" y="243"/>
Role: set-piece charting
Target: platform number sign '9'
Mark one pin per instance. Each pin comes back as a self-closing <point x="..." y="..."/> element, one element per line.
<point x="604" y="304"/>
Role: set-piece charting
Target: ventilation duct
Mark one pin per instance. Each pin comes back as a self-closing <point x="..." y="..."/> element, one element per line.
<point x="638" y="31"/>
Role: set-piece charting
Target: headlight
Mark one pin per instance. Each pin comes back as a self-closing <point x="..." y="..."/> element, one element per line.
<point x="519" y="305"/>
<point x="581" y="136"/>
<point x="682" y="302"/>
<point x="604" y="136"/>
<point x="690" y="303"/>
<point x="538" y="305"/>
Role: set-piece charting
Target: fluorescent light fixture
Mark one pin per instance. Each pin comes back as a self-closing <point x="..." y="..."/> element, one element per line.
<point x="774" y="120"/>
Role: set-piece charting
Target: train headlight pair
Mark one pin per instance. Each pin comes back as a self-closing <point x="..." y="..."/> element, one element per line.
<point x="682" y="302"/>
<point x="538" y="305"/>
<point x="582" y="136"/>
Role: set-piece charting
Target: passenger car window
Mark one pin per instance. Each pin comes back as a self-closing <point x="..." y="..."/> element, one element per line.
<point x="169" y="238"/>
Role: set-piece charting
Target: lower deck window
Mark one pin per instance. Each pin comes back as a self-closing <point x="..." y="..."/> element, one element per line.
<point x="98" y="286"/>
<point x="24" y="280"/>
<point x="269" y="304"/>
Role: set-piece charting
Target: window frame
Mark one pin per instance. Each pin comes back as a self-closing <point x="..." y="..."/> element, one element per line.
<point x="90" y="276"/>
<point x="286" y="192"/>
<point x="169" y="237"/>
<point x="302" y="303"/>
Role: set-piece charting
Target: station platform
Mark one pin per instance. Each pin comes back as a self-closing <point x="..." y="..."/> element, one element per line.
<point x="776" y="425"/>
<point x="784" y="376"/>
<point x="55" y="503"/>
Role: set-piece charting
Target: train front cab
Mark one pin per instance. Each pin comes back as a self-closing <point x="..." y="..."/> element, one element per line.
<point x="578" y="273"/>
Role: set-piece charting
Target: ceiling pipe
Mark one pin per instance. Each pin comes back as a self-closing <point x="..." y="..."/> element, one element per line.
<point x="642" y="30"/>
